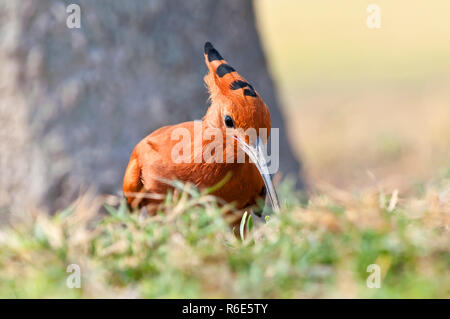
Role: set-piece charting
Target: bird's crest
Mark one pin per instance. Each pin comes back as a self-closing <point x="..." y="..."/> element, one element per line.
<point x="223" y="79"/>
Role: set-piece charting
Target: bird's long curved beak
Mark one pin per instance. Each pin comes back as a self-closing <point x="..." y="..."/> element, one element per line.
<point x="256" y="154"/>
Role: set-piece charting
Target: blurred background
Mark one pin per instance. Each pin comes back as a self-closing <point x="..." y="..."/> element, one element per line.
<point x="363" y="104"/>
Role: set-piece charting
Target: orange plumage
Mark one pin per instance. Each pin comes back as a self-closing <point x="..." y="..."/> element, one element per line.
<point x="151" y="164"/>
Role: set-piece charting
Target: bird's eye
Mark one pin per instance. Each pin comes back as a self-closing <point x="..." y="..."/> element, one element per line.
<point x="263" y="192"/>
<point x="229" y="121"/>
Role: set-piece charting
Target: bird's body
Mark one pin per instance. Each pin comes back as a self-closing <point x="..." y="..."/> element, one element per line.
<point x="149" y="169"/>
<point x="235" y="105"/>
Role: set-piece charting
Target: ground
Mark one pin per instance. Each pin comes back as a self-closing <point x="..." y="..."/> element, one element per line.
<point x="319" y="248"/>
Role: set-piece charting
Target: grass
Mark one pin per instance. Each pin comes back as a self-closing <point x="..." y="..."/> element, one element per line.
<point x="321" y="248"/>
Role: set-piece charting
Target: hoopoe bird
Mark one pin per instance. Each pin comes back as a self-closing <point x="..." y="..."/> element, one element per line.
<point x="235" y="107"/>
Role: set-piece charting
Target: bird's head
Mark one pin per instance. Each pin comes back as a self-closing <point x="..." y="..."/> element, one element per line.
<point x="239" y="111"/>
<point x="235" y="104"/>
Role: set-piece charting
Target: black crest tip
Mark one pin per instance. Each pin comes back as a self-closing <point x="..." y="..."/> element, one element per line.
<point x="211" y="52"/>
<point x="208" y="47"/>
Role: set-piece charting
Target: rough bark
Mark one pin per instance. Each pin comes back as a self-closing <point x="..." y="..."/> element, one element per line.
<point x="74" y="102"/>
